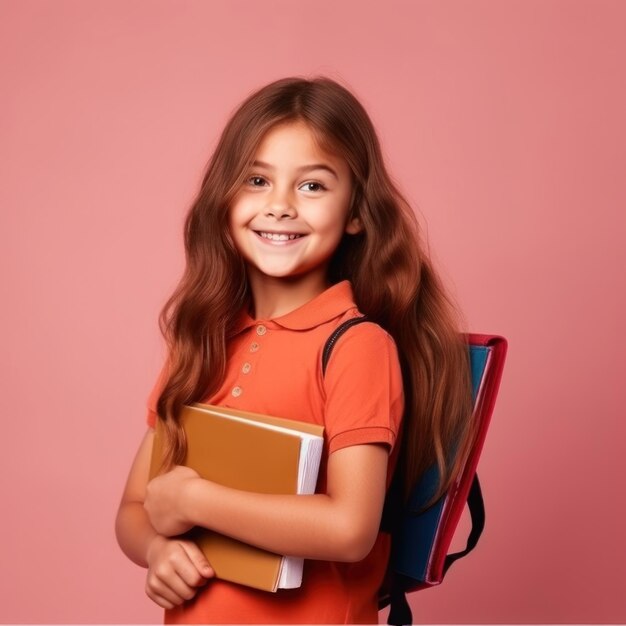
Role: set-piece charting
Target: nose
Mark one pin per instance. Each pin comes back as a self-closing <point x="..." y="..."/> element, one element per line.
<point x="281" y="204"/>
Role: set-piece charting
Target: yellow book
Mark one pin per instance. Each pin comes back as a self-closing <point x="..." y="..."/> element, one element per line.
<point x="253" y="452"/>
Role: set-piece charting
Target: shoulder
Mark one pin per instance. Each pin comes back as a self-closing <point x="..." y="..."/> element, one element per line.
<point x="363" y="387"/>
<point x="364" y="357"/>
<point x="358" y="338"/>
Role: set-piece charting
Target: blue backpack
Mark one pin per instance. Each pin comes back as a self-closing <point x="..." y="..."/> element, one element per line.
<point x="419" y="542"/>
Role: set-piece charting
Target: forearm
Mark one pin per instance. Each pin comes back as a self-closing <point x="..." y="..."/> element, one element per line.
<point x="313" y="526"/>
<point x="134" y="532"/>
<point x="340" y="525"/>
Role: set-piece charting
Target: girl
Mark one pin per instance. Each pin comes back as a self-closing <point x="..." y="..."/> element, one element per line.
<point x="298" y="227"/>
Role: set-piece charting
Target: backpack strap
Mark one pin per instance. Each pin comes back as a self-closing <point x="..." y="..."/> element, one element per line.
<point x="477" y="512"/>
<point x="400" y="613"/>
<point x="330" y="342"/>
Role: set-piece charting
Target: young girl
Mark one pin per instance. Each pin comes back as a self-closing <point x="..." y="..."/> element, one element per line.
<point x="298" y="227"/>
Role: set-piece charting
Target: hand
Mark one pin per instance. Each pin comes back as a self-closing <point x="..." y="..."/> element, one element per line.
<point x="176" y="569"/>
<point x="165" y="498"/>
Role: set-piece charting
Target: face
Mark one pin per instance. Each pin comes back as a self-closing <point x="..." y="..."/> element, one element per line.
<point x="292" y="210"/>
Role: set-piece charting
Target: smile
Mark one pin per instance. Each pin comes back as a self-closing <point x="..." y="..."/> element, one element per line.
<point x="278" y="238"/>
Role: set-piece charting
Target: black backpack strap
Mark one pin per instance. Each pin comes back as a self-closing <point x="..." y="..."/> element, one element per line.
<point x="477" y="512"/>
<point x="330" y="342"/>
<point x="399" y="609"/>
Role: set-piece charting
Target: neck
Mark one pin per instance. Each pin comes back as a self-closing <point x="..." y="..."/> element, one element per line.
<point x="273" y="297"/>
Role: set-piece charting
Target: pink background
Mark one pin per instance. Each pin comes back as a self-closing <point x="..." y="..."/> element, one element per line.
<point x="503" y="122"/>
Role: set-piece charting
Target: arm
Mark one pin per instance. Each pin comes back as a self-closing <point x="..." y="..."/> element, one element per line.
<point x="132" y="526"/>
<point x="340" y="525"/>
<point x="176" y="568"/>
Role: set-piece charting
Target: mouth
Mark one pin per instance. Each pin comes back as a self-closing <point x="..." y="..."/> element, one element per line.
<point x="278" y="238"/>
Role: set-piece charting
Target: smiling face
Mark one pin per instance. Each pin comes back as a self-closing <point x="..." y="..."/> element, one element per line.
<point x="292" y="210"/>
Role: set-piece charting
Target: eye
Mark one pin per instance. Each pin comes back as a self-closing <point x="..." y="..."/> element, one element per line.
<point x="256" y="181"/>
<point x="314" y="186"/>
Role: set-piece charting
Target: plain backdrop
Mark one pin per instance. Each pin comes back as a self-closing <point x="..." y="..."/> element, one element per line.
<point x="502" y="122"/>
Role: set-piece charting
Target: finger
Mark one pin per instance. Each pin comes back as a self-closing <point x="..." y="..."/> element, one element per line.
<point x="160" y="593"/>
<point x="170" y="585"/>
<point x="161" y="601"/>
<point x="198" y="560"/>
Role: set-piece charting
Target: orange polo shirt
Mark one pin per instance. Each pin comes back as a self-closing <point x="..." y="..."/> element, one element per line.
<point x="274" y="367"/>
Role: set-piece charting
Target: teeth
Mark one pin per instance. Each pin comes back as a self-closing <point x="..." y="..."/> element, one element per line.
<point x="277" y="237"/>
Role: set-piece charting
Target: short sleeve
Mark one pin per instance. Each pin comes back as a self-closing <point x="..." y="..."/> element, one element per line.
<point x="153" y="396"/>
<point x="364" y="394"/>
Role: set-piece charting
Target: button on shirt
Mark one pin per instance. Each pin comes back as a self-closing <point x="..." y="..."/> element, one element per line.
<point x="274" y="367"/>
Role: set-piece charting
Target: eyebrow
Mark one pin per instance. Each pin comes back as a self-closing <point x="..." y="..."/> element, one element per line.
<point x="304" y="168"/>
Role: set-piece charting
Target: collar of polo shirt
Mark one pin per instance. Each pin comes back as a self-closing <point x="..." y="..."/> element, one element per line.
<point x="332" y="302"/>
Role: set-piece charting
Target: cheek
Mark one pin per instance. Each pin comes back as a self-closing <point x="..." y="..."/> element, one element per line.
<point x="239" y="214"/>
<point x="235" y="218"/>
<point x="333" y="223"/>
<point x="234" y="227"/>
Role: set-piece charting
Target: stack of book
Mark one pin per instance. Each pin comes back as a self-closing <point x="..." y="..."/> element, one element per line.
<point x="252" y="452"/>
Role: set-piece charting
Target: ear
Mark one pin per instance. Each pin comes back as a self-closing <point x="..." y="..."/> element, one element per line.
<point x="354" y="226"/>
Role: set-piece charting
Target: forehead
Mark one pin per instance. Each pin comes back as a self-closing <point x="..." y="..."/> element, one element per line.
<point x="294" y="141"/>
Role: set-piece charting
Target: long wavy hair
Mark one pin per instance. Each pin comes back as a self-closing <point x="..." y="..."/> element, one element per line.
<point x="392" y="277"/>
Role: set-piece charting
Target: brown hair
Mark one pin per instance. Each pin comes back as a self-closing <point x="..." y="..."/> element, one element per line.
<point x="393" y="280"/>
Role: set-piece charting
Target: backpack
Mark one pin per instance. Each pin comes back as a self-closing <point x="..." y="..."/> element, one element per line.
<point x="420" y="542"/>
